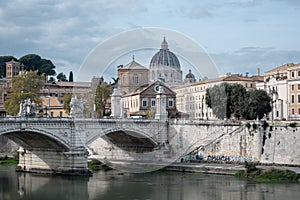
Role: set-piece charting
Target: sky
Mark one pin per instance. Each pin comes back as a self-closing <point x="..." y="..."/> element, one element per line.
<point x="238" y="35"/>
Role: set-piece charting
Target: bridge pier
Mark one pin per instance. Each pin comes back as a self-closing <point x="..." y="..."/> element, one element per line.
<point x="53" y="161"/>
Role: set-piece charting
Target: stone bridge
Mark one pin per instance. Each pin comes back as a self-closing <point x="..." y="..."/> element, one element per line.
<point x="60" y="144"/>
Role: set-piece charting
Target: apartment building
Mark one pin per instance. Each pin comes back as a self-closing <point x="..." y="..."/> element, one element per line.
<point x="190" y="98"/>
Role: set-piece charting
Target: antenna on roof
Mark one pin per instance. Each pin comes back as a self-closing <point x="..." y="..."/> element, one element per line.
<point x="133" y="57"/>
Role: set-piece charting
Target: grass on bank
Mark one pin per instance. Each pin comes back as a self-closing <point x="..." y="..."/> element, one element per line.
<point x="267" y="176"/>
<point x="8" y="161"/>
<point x="96" y="165"/>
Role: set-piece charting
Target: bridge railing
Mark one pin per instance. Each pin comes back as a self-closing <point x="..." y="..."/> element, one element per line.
<point x="14" y="118"/>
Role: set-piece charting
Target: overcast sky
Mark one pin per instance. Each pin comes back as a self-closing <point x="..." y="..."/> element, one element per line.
<point x="239" y="35"/>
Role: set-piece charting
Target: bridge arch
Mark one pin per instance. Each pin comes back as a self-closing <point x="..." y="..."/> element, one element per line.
<point x="33" y="138"/>
<point x="129" y="139"/>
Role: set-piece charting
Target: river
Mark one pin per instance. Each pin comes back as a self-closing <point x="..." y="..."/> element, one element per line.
<point x="156" y="185"/>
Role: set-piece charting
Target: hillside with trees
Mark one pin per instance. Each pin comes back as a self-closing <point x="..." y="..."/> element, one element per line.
<point x="34" y="62"/>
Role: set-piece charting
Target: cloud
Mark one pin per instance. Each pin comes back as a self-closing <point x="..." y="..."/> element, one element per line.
<point x="197" y="12"/>
<point x="244" y="3"/>
<point x="289" y="2"/>
<point x="251" y="50"/>
<point x="248" y="59"/>
<point x="66" y="31"/>
<point x="63" y="31"/>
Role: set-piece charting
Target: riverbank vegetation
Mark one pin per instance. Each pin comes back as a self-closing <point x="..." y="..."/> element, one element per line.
<point x="96" y="165"/>
<point x="8" y="160"/>
<point x="267" y="175"/>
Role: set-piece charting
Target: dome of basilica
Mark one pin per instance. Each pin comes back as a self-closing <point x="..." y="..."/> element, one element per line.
<point x="165" y="57"/>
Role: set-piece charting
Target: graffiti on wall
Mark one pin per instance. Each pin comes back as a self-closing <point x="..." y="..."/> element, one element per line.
<point x="232" y="158"/>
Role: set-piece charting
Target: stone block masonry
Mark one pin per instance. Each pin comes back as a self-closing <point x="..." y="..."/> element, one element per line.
<point x="280" y="143"/>
<point x="51" y="161"/>
<point x="264" y="142"/>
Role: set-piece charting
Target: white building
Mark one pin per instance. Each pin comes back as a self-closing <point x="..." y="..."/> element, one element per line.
<point x="278" y="84"/>
<point x="190" y="98"/>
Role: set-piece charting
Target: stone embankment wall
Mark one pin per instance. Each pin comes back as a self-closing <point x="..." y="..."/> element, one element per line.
<point x="253" y="141"/>
<point x="264" y="142"/>
<point x="280" y="143"/>
<point x="218" y="140"/>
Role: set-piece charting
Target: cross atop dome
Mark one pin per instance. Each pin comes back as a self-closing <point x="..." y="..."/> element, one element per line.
<point x="164" y="44"/>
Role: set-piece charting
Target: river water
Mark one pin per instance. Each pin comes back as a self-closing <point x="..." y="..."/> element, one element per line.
<point x="156" y="185"/>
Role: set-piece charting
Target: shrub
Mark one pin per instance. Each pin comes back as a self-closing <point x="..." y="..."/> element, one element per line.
<point x="293" y="124"/>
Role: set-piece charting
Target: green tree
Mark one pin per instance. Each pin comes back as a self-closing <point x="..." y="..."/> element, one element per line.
<point x="232" y="100"/>
<point x="67" y="99"/>
<point x="3" y="60"/>
<point x="61" y="77"/>
<point x="217" y="99"/>
<point x="51" y="79"/>
<point x="236" y="95"/>
<point x="256" y="104"/>
<point x="35" y="62"/>
<point x="25" y="86"/>
<point x="71" y="76"/>
<point x="150" y="114"/>
<point x="102" y="94"/>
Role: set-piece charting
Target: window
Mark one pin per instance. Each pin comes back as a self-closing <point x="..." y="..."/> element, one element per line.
<point x="293" y="111"/>
<point x="171" y="102"/>
<point x="135" y="79"/>
<point x="293" y="98"/>
<point x="298" y="98"/>
<point x="293" y="74"/>
<point x="293" y="88"/>
<point x="153" y="101"/>
<point x="298" y="86"/>
<point x="51" y="114"/>
<point x="298" y="73"/>
<point x="144" y="102"/>
<point x="60" y="114"/>
<point x="298" y="111"/>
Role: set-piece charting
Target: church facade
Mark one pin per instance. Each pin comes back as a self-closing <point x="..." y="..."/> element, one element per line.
<point x="131" y="76"/>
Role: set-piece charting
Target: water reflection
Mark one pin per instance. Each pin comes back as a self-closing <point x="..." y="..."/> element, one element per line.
<point x="156" y="185"/>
